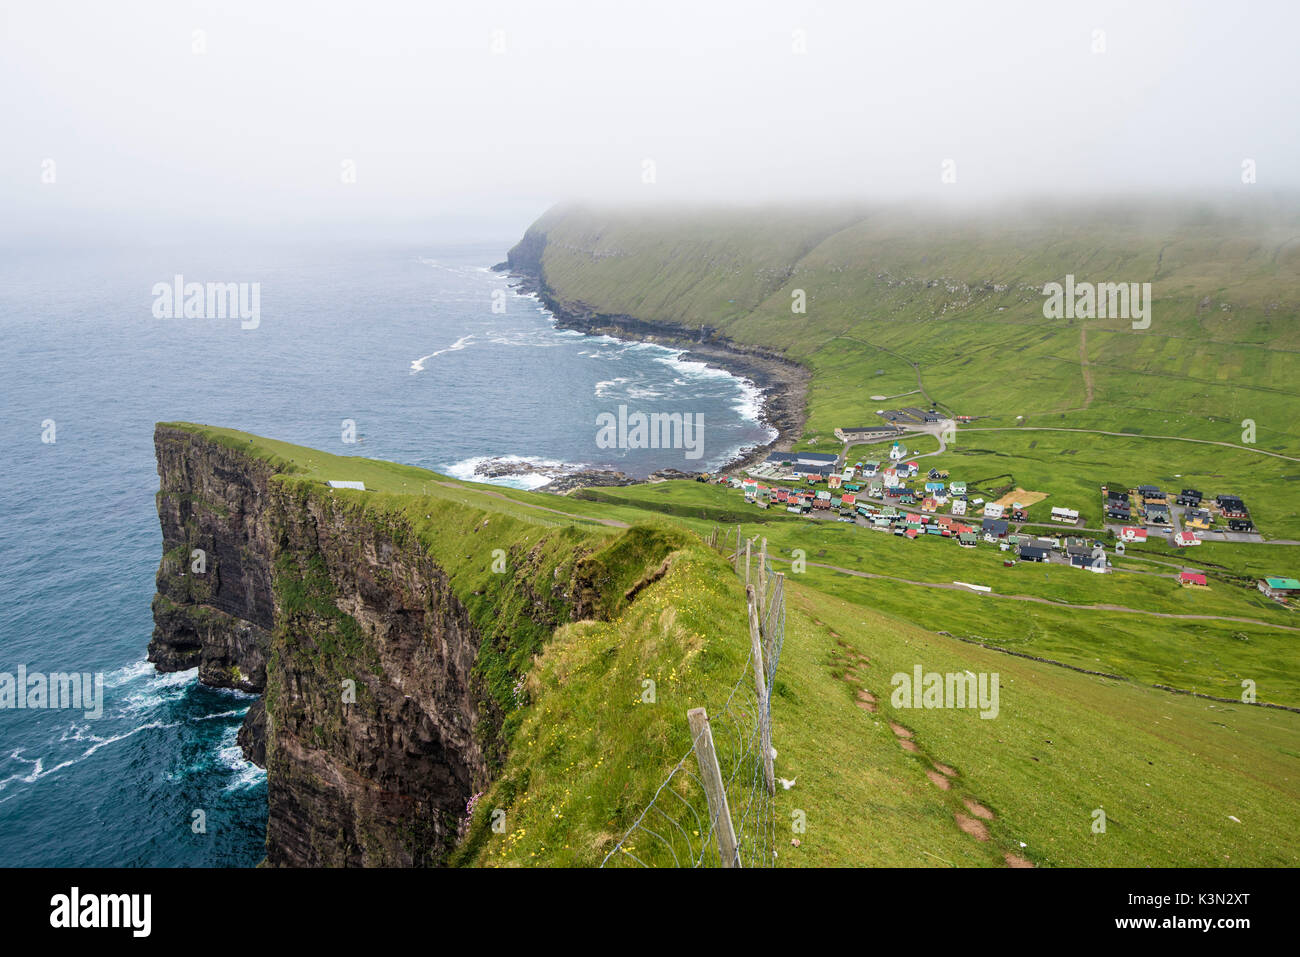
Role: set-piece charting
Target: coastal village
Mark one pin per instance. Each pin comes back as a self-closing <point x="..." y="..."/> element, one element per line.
<point x="896" y="495"/>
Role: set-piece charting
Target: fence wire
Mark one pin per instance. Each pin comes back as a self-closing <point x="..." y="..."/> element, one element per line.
<point x="677" y="828"/>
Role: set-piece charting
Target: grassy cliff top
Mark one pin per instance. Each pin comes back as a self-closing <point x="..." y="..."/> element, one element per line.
<point x="1181" y="780"/>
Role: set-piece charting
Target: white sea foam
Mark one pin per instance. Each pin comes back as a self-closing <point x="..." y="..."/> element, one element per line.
<point x="417" y="365"/>
<point x="693" y="367"/>
<point x="603" y="387"/>
<point x="236" y="713"/>
<point x="80" y="736"/>
<point x="154" y="688"/>
<point x="460" y="269"/>
<point x="750" y="404"/>
<point x="128" y="673"/>
<point x="640" y="392"/>
<point x="533" y="338"/>
<point x="467" y="470"/>
<point x="243" y="772"/>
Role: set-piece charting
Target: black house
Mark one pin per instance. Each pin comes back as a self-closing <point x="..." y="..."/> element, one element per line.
<point x="994" y="526"/>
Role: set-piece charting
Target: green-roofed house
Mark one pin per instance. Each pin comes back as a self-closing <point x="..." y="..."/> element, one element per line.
<point x="1280" y="587"/>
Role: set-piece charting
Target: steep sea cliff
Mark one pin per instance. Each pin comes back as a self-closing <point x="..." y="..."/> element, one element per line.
<point x="388" y="666"/>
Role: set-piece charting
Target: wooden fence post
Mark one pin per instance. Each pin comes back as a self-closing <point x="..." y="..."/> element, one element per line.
<point x="774" y="608"/>
<point x="748" y="544"/>
<point x="711" y="776"/>
<point x="762" y="583"/>
<point x="760" y="687"/>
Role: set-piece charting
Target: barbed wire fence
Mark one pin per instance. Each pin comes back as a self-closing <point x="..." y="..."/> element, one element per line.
<point x="716" y="807"/>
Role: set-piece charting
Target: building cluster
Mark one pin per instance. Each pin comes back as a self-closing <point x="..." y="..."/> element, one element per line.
<point x="893" y="496"/>
<point x="1148" y="507"/>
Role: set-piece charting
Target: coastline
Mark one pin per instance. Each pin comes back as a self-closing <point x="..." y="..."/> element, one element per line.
<point x="782" y="383"/>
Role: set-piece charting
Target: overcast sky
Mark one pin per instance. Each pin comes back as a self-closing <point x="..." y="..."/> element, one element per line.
<point x="443" y="118"/>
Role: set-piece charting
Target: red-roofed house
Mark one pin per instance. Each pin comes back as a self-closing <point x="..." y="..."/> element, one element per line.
<point x="1131" y="534"/>
<point x="1183" y="539"/>
<point x="1193" y="580"/>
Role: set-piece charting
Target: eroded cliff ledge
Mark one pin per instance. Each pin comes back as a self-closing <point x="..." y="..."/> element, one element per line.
<point x="388" y="654"/>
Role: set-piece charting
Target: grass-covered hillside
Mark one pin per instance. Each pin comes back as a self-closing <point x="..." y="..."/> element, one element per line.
<point x="952" y="304"/>
<point x="946" y="309"/>
<point x="1181" y="779"/>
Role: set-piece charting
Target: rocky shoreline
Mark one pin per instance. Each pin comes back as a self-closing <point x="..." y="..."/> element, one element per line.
<point x="560" y="478"/>
<point x="565" y="478"/>
<point x="782" y="383"/>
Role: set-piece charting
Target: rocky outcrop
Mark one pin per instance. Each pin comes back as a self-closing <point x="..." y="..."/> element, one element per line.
<point x="372" y="710"/>
<point x="213" y="606"/>
<point x="386" y="686"/>
<point x="365" y="655"/>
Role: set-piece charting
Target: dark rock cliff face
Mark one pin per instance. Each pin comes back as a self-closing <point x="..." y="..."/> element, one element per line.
<point x="371" y="749"/>
<point x="212" y="610"/>
<point x="367" y="727"/>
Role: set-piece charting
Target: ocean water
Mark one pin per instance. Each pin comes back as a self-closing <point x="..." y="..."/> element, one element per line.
<point x="402" y="338"/>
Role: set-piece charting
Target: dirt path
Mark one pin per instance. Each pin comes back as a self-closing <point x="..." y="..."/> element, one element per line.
<point x="1084" y="365"/>
<point x="1046" y="601"/>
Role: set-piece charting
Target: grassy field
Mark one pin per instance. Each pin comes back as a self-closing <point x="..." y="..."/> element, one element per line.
<point x="577" y="777"/>
<point x="952" y="303"/>
<point x="923" y="308"/>
<point x="1170" y="772"/>
<point x="947" y="309"/>
<point x="915" y="581"/>
<point x="1194" y="782"/>
<point x="1072" y="467"/>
